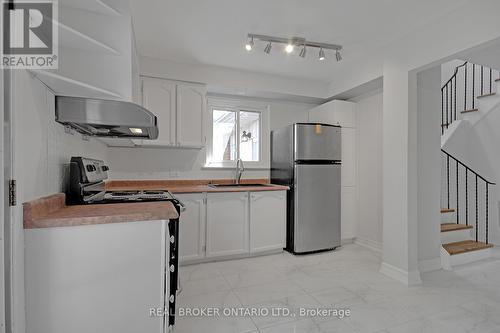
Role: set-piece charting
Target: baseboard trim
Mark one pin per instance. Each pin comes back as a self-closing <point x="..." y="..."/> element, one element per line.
<point x="346" y="241"/>
<point x="368" y="243"/>
<point x="408" y="278"/>
<point x="429" y="265"/>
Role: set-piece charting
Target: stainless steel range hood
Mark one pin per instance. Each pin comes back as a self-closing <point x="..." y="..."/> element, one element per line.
<point x="106" y="118"/>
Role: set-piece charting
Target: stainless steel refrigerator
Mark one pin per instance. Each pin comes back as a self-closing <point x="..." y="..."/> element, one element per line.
<point x="307" y="158"/>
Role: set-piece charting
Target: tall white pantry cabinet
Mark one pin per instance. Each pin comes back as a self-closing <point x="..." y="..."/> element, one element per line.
<point x="344" y="114"/>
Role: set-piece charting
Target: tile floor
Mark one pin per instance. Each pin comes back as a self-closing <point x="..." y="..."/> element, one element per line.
<point x="465" y="300"/>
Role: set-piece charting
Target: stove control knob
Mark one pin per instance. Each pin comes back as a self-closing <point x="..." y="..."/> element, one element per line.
<point x="104" y="168"/>
<point x="90" y="167"/>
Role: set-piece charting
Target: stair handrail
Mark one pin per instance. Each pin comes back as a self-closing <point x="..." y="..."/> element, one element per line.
<point x="465" y="166"/>
<point x="455" y="73"/>
<point x="476" y="197"/>
<point x="453" y="89"/>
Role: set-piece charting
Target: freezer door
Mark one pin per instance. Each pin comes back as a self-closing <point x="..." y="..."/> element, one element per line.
<point x="317" y="142"/>
<point x="317" y="207"/>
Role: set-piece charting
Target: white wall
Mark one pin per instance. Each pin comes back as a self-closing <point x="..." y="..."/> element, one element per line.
<point x="437" y="42"/>
<point x="128" y="163"/>
<point x="41" y="153"/>
<point x="428" y="168"/>
<point x="223" y="80"/>
<point x="369" y="161"/>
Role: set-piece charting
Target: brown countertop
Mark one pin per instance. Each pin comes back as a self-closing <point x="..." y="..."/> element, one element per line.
<point x="51" y="211"/>
<point x="192" y="186"/>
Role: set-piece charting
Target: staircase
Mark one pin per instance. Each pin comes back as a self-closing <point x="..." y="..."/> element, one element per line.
<point x="465" y="193"/>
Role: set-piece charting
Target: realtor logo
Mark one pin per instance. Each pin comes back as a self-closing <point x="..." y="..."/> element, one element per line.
<point x="29" y="38"/>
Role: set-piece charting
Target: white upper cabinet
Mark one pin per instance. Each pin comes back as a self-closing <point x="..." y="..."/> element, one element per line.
<point x="180" y="109"/>
<point x="158" y="96"/>
<point x="335" y="112"/>
<point x="191" y="109"/>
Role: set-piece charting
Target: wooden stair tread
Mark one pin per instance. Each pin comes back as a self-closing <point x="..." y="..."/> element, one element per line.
<point x="447" y="210"/>
<point x="465" y="246"/>
<point x="486" y="95"/>
<point x="471" y="110"/>
<point x="445" y="227"/>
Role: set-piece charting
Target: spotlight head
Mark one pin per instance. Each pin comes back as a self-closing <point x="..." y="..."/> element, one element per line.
<point x="338" y="57"/>
<point x="268" y="47"/>
<point x="289" y="48"/>
<point x="302" y="53"/>
<point x="321" y="54"/>
<point x="249" y="45"/>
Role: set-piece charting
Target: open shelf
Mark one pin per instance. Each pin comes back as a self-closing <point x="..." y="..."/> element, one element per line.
<point x="66" y="86"/>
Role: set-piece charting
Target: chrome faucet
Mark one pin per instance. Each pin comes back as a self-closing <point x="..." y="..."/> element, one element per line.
<point x="239" y="171"/>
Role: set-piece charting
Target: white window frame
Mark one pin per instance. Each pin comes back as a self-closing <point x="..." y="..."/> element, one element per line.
<point x="238" y="105"/>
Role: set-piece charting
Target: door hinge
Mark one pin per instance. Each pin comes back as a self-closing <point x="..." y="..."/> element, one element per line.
<point x="12" y="193"/>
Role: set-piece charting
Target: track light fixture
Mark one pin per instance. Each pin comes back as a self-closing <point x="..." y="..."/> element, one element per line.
<point x="293" y="42"/>
<point x="321" y="54"/>
<point x="338" y="57"/>
<point x="249" y="44"/>
<point x="268" y="47"/>
<point x="302" y="53"/>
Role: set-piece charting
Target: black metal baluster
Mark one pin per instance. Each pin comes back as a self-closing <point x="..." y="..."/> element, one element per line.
<point x="448" y="179"/>
<point x="491" y="80"/>
<point x="465" y="91"/>
<point x="442" y="111"/>
<point x="447" y="109"/>
<point x="451" y="101"/>
<point x="487" y="212"/>
<point x="473" y="86"/>
<point x="458" y="205"/>
<point x="466" y="196"/>
<point x="477" y="213"/>
<point x="455" y="98"/>
<point x="482" y="79"/>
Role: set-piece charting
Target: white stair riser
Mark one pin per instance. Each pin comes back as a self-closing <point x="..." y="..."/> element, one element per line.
<point x="456" y="236"/>
<point x="448" y="217"/>
<point x="449" y="261"/>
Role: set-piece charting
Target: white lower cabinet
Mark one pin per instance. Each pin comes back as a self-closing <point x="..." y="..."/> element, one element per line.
<point x="267" y="221"/>
<point x="192" y="228"/>
<point x="219" y="225"/>
<point x="96" y="278"/>
<point x="227" y="224"/>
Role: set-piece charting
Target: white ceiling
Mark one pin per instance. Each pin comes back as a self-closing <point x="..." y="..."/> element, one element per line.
<point x="213" y="32"/>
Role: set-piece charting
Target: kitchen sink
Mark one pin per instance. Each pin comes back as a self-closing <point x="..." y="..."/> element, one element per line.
<point x="236" y="185"/>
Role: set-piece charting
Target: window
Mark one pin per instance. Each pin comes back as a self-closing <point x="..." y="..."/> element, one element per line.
<point x="237" y="130"/>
